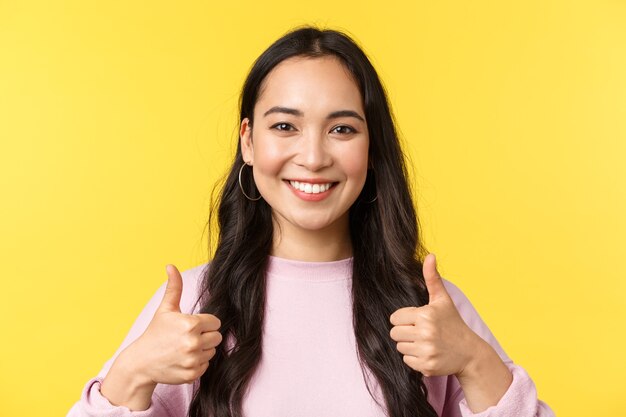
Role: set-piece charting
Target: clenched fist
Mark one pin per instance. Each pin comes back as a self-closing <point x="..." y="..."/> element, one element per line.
<point x="433" y="338"/>
<point x="176" y="347"/>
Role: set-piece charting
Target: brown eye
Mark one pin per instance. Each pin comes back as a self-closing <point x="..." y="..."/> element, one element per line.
<point x="343" y="130"/>
<point x="282" y="127"/>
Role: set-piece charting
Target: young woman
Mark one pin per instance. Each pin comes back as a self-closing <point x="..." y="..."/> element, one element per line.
<point x="320" y="299"/>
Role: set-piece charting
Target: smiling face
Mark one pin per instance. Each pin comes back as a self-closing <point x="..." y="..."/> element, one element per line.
<point x="308" y="145"/>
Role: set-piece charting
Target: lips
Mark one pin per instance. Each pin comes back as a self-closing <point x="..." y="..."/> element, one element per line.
<point x="311" y="189"/>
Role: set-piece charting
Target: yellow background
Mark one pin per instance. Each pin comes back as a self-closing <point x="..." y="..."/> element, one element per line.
<point x="117" y="117"/>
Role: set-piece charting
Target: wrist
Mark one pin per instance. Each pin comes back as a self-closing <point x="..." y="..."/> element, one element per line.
<point x="133" y="367"/>
<point x="482" y="357"/>
<point x="485" y="378"/>
<point x="126" y="385"/>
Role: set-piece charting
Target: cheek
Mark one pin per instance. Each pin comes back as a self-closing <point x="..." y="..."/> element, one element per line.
<point x="354" y="163"/>
<point x="269" y="157"/>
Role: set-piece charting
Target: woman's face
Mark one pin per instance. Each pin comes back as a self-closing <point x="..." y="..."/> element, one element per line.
<point x="309" y="142"/>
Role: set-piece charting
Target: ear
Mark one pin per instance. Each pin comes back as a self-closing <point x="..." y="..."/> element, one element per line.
<point x="245" y="136"/>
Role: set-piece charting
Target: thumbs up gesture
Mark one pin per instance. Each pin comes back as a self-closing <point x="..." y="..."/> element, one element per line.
<point x="433" y="338"/>
<point x="175" y="347"/>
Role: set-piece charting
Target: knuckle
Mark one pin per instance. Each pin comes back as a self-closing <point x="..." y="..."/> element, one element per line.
<point x="415" y="333"/>
<point x="426" y="332"/>
<point x="202" y="369"/>
<point x="429" y="351"/>
<point x="195" y="320"/>
<point x="190" y="344"/>
<point x="426" y="314"/>
<point x="189" y="324"/>
<point x="430" y="367"/>
<point x="190" y="375"/>
<point x="188" y="363"/>
<point x="211" y="353"/>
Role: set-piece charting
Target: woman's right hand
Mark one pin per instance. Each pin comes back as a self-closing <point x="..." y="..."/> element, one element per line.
<point x="175" y="348"/>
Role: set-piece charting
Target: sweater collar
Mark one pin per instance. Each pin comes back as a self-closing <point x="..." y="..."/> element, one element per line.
<point x="293" y="270"/>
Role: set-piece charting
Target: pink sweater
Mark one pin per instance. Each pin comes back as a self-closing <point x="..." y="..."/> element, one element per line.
<point x="309" y="365"/>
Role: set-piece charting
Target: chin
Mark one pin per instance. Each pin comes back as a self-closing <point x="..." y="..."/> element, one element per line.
<point x="313" y="225"/>
<point x="313" y="220"/>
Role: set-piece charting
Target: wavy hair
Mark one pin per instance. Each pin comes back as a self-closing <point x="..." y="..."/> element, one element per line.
<point x="387" y="250"/>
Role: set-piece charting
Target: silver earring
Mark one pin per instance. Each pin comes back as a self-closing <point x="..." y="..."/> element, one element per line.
<point x="241" y="186"/>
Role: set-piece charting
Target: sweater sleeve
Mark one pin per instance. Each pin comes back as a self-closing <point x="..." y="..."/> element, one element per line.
<point x="520" y="399"/>
<point x="167" y="400"/>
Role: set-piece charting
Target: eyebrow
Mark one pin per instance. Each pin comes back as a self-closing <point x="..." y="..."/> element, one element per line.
<point x="296" y="112"/>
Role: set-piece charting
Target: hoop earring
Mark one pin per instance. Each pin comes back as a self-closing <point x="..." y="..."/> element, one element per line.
<point x="375" y="198"/>
<point x="241" y="187"/>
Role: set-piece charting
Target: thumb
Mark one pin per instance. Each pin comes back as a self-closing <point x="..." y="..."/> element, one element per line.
<point x="173" y="290"/>
<point x="433" y="280"/>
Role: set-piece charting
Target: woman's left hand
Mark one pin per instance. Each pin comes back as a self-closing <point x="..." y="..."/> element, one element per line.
<point x="434" y="338"/>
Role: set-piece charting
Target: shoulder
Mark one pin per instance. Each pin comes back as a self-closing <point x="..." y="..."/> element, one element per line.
<point x="470" y="316"/>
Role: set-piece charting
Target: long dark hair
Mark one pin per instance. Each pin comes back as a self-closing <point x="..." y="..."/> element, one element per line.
<point x="387" y="251"/>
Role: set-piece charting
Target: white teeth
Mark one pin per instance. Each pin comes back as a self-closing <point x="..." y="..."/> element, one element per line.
<point x="310" y="188"/>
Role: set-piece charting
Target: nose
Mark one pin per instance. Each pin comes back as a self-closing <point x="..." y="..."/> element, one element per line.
<point x="312" y="153"/>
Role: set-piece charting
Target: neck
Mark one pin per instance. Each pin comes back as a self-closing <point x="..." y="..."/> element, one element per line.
<point x="323" y="245"/>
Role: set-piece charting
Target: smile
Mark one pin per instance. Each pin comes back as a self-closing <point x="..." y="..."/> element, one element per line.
<point x="311" y="191"/>
<point x="309" y="188"/>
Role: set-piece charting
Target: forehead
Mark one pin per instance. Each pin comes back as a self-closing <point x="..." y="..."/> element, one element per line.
<point x="313" y="83"/>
